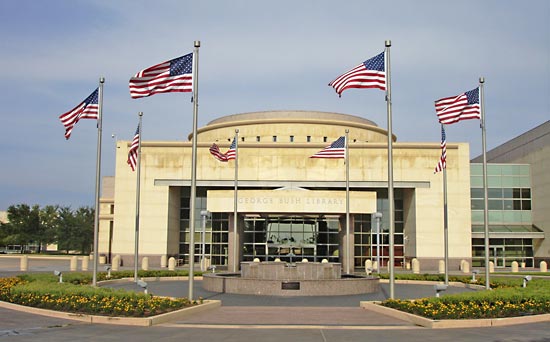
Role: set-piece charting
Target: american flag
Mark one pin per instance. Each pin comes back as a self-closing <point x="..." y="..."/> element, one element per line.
<point x="336" y="150"/>
<point x="175" y="75"/>
<point x="87" y="109"/>
<point x="457" y="108"/>
<point x="133" y="152"/>
<point x="369" y="74"/>
<point x="230" y="154"/>
<point x="442" y="164"/>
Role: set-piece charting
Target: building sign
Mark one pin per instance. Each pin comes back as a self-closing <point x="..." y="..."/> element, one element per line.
<point x="291" y="201"/>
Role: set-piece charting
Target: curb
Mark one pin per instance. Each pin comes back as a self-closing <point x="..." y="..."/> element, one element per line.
<point x="452" y="323"/>
<point x="133" y="321"/>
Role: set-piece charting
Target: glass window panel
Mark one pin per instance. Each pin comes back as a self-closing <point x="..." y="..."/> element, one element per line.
<point x="494" y="193"/>
<point x="516" y="192"/>
<point x="525" y="193"/>
<point x="495" y="216"/>
<point x="508" y="181"/>
<point x="508" y="170"/>
<point x="476" y="169"/>
<point x="526" y="216"/>
<point x="476" y="181"/>
<point x="494" y="181"/>
<point x="508" y="204"/>
<point x="517" y="205"/>
<point x="476" y="192"/>
<point x="477" y="216"/>
<point x="493" y="169"/>
<point x="526" y="205"/>
<point x="478" y="204"/>
<point x="507" y="193"/>
<point x="495" y="204"/>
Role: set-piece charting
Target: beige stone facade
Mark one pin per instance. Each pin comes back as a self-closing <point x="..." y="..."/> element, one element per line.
<point x="277" y="180"/>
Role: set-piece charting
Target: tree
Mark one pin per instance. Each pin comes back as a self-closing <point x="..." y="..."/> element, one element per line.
<point x="23" y="224"/>
<point x="75" y="229"/>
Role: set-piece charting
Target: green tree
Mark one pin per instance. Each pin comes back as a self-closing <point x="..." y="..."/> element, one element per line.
<point x="23" y="225"/>
<point x="48" y="222"/>
<point x="75" y="229"/>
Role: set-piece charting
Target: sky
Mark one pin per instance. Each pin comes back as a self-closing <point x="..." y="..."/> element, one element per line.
<point x="254" y="56"/>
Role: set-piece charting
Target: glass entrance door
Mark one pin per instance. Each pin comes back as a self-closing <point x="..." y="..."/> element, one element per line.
<point x="498" y="256"/>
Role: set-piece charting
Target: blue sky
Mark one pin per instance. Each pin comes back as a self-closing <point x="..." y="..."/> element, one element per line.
<point x="254" y="56"/>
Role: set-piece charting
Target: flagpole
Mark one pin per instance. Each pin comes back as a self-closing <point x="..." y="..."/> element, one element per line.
<point x="193" y="195"/>
<point x="235" y="201"/>
<point x="97" y="178"/>
<point x="348" y="247"/>
<point x="445" y="218"/>
<point x="138" y="193"/>
<point x="486" y="202"/>
<point x="390" y="168"/>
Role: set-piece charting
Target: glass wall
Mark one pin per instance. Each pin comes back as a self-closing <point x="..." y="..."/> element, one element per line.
<point x="215" y="235"/>
<point x="509" y="203"/>
<point x="290" y="238"/>
<point x="366" y="237"/>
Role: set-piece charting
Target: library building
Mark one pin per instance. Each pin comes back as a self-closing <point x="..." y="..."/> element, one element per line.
<point x="293" y="207"/>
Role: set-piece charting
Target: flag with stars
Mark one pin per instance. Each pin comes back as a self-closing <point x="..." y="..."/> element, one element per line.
<point x="229" y="155"/>
<point x="175" y="75"/>
<point x="335" y="150"/>
<point x="87" y="109"/>
<point x="457" y="108"/>
<point x="369" y="74"/>
<point x="442" y="164"/>
<point x="133" y="152"/>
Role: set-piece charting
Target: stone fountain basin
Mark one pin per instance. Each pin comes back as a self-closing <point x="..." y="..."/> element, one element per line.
<point x="290" y="279"/>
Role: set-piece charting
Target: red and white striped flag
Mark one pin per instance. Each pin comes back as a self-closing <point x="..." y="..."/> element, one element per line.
<point x="87" y="109"/>
<point x="175" y="75"/>
<point x="369" y="74"/>
<point x="133" y="152"/>
<point x="457" y="108"/>
<point x="334" y="151"/>
<point x="229" y="155"/>
<point x="442" y="163"/>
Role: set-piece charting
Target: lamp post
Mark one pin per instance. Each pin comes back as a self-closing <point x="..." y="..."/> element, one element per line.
<point x="204" y="216"/>
<point x="378" y="217"/>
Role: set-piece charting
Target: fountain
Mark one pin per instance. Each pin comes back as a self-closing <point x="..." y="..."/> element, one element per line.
<point x="290" y="279"/>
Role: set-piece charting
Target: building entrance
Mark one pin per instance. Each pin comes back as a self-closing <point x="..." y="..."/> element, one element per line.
<point x="291" y="238"/>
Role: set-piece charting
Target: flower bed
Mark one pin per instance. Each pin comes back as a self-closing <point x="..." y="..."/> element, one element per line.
<point x="503" y="302"/>
<point x="45" y="293"/>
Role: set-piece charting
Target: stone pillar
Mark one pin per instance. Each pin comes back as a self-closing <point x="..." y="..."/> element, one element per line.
<point x="163" y="261"/>
<point x="145" y="263"/>
<point x="415" y="266"/>
<point x="491" y="267"/>
<point x="172" y="264"/>
<point x="543" y="266"/>
<point x="85" y="261"/>
<point x="515" y="266"/>
<point x="115" y="263"/>
<point x="102" y="259"/>
<point x="74" y="263"/>
<point x="24" y="264"/>
<point x="441" y="268"/>
<point x="368" y="264"/>
<point x="465" y="267"/>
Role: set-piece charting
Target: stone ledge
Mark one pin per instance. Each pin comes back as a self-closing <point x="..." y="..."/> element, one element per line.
<point x="134" y="321"/>
<point x="452" y="323"/>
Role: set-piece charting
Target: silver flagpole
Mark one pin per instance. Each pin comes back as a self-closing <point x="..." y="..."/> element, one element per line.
<point x="348" y="247"/>
<point x="486" y="202"/>
<point x="390" y="168"/>
<point x="193" y="195"/>
<point x="445" y="219"/>
<point x="235" y="201"/>
<point x="138" y="193"/>
<point x="97" y="179"/>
